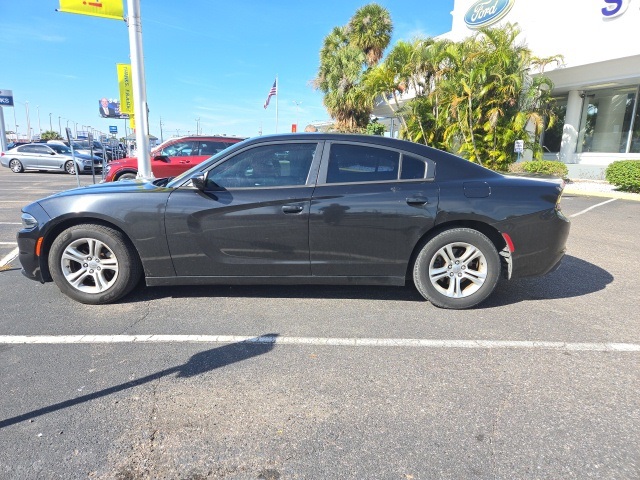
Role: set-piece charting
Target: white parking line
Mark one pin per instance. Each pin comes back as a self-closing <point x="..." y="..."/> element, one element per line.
<point x="335" y="342"/>
<point x="9" y="258"/>
<point x="10" y="223"/>
<point x="592" y="207"/>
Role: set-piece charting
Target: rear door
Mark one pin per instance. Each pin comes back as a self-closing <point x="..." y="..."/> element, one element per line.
<point x="253" y="217"/>
<point x="370" y="208"/>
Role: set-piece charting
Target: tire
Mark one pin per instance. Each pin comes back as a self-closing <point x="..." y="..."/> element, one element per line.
<point x="16" y="166"/>
<point x="94" y="264"/>
<point x="457" y="269"/>
<point x="127" y="176"/>
<point x="70" y="168"/>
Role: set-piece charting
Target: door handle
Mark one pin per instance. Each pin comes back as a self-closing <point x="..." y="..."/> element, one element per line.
<point x="292" y="208"/>
<point x="417" y="200"/>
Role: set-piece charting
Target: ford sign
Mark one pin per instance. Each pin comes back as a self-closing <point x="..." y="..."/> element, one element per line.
<point x="486" y="12"/>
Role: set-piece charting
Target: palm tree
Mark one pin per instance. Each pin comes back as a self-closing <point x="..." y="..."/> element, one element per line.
<point x="344" y="58"/>
<point x="370" y="30"/>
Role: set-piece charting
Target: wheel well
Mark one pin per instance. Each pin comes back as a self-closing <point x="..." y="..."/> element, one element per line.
<point x="59" y="228"/>
<point x="123" y="172"/>
<point x="490" y="232"/>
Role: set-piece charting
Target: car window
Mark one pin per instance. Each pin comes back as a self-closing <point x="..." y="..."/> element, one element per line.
<point x="179" y="149"/>
<point x="41" y="149"/>
<point x="357" y="163"/>
<point x="60" y="148"/>
<point x="27" y="149"/>
<point x="412" y="168"/>
<point x="212" y="147"/>
<point x="265" y="166"/>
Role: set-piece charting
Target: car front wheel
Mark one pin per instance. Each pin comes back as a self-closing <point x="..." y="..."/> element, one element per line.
<point x="457" y="269"/>
<point x="94" y="264"/>
<point x="70" y="168"/>
<point x="16" y="166"/>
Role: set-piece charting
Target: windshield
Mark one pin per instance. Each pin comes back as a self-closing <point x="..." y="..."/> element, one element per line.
<point x="60" y="148"/>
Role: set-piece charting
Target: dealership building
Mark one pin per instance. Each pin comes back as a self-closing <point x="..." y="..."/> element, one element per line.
<point x="596" y="88"/>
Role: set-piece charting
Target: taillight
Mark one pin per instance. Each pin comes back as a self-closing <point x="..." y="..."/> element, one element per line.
<point x="507" y="239"/>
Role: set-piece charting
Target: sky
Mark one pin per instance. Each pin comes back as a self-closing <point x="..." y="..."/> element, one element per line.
<point x="209" y="60"/>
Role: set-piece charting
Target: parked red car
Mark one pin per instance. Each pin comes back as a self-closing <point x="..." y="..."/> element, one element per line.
<point x="171" y="158"/>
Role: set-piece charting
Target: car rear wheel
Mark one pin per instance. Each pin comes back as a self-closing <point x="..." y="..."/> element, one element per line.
<point x="458" y="268"/>
<point x="127" y="176"/>
<point x="94" y="264"/>
<point x="16" y="166"/>
<point x="70" y="168"/>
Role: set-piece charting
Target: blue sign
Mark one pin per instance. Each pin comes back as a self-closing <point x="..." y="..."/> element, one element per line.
<point x="6" y="98"/>
<point x="113" y="129"/>
<point x="487" y="12"/>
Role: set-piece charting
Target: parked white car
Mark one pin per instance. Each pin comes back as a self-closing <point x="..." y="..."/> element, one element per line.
<point x="47" y="157"/>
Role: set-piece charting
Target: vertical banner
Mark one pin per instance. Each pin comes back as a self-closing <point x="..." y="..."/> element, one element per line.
<point x="100" y="8"/>
<point x="132" y="122"/>
<point x="125" y="84"/>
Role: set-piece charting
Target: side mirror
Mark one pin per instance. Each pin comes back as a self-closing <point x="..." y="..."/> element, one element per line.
<point x="162" y="158"/>
<point x="199" y="182"/>
<point x="52" y="153"/>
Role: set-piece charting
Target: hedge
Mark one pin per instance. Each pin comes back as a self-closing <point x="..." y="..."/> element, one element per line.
<point x="624" y="174"/>
<point x="541" y="167"/>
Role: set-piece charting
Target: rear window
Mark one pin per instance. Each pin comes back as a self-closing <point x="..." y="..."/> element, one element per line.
<point x="357" y="163"/>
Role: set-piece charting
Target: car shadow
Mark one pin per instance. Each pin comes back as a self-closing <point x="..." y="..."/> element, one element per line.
<point x="574" y="278"/>
<point x="198" y="364"/>
<point x="559" y="284"/>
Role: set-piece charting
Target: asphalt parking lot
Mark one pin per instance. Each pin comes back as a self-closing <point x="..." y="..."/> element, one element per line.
<point x="540" y="382"/>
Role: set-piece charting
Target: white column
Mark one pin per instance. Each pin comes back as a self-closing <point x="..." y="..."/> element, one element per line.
<point x="571" y="127"/>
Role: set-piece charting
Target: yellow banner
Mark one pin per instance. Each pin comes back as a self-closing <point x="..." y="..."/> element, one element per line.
<point x="96" y="8"/>
<point x="125" y="84"/>
<point x="132" y="122"/>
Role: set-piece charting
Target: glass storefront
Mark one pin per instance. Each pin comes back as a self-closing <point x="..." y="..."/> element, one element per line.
<point x="610" y="121"/>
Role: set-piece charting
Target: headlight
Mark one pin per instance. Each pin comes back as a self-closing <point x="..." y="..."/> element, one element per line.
<point x="87" y="162"/>
<point x="107" y="168"/>
<point x="29" y="221"/>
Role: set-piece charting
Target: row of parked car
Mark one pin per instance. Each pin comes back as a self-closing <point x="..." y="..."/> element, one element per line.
<point x="167" y="160"/>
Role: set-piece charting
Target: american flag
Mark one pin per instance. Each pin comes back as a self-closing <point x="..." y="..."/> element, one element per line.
<point x="272" y="92"/>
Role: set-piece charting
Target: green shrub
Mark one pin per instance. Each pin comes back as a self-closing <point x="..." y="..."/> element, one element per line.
<point x="624" y="174"/>
<point x="541" y="167"/>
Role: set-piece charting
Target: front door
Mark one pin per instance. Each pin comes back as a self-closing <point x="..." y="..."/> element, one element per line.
<point x="252" y="219"/>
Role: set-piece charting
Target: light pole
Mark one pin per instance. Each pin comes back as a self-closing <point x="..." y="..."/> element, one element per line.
<point x="59" y="125"/>
<point x="15" y="122"/>
<point x="26" y="106"/>
<point x="198" y="126"/>
<point x="297" y="104"/>
<point x="76" y="135"/>
<point x="39" y="125"/>
<point x="50" y="124"/>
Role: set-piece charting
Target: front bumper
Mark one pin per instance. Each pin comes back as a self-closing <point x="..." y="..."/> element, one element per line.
<point x="27" y="238"/>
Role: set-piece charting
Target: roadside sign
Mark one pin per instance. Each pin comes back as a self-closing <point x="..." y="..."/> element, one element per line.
<point x="519" y="146"/>
<point x="113" y="129"/>
<point x="6" y="98"/>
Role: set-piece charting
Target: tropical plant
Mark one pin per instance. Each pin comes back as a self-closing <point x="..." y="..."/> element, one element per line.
<point x="50" y="135"/>
<point x="346" y="54"/>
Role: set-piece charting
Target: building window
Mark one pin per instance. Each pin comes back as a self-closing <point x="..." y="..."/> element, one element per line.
<point x="607" y="123"/>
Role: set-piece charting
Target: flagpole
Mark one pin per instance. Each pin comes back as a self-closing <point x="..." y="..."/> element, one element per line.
<point x="277" y="95"/>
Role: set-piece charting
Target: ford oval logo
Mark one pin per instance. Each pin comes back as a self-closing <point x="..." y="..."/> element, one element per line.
<point x="485" y="12"/>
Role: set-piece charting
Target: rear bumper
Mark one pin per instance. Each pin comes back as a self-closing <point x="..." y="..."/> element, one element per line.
<point x="539" y="243"/>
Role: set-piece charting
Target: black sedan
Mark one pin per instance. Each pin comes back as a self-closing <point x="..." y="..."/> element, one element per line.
<point x="302" y="208"/>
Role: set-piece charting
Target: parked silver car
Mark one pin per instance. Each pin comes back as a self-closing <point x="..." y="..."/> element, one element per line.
<point x="51" y="157"/>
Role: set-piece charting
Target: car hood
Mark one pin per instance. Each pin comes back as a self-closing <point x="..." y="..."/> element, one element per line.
<point x="112" y="188"/>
